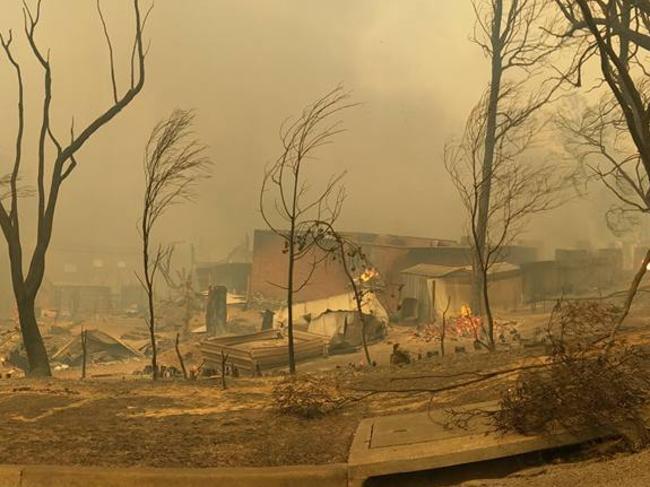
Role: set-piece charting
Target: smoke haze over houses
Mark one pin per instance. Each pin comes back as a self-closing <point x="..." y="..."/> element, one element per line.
<point x="245" y="67"/>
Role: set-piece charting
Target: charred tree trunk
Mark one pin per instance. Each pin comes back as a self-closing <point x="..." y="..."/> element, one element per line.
<point x="481" y="223"/>
<point x="267" y="320"/>
<point x="152" y="330"/>
<point x="630" y="296"/>
<point x="39" y="364"/>
<point x="362" y="317"/>
<point x="224" y="363"/>
<point x="358" y="299"/>
<point x="56" y="171"/>
<point x="216" y="310"/>
<point x="291" y="351"/>
<point x="25" y="290"/>
<point x="489" y="319"/>
<point x="84" y="351"/>
<point x="180" y="356"/>
<point x="443" y="330"/>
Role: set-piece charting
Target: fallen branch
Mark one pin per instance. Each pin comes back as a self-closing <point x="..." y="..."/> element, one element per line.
<point x="224" y="361"/>
<point x="349" y="400"/>
<point x="482" y="375"/>
<point x="480" y="378"/>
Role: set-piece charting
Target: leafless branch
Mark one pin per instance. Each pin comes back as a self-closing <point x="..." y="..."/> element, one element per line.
<point x="174" y="163"/>
<point x="285" y="201"/>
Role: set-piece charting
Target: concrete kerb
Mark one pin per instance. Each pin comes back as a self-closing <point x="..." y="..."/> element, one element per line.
<point x="10" y="476"/>
<point x="61" y="476"/>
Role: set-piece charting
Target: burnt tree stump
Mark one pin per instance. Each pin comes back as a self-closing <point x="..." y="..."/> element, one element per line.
<point x="267" y="320"/>
<point x="216" y="312"/>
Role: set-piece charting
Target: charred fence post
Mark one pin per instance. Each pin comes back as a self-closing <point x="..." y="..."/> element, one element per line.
<point x="267" y="320"/>
<point x="216" y="312"/>
<point x="84" y="350"/>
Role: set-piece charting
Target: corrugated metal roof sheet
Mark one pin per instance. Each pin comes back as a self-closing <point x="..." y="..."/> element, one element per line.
<point x="431" y="270"/>
<point x="437" y="271"/>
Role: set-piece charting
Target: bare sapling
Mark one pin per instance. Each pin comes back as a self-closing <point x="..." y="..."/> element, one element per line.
<point x="174" y="163"/>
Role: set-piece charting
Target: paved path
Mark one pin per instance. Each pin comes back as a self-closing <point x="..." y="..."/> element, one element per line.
<point x="423" y="441"/>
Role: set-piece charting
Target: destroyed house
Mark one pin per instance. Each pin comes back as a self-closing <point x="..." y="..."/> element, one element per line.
<point x="232" y="272"/>
<point x="99" y="347"/>
<point x="573" y="272"/>
<point x="83" y="277"/>
<point x="112" y="267"/>
<point x="76" y="300"/>
<point x="388" y="254"/>
<point x="337" y="319"/>
<point x="232" y="275"/>
<point x="583" y="271"/>
<point x="429" y="290"/>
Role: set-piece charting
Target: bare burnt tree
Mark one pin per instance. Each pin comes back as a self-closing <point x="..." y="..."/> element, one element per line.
<point x="596" y="137"/>
<point x="513" y="35"/>
<point x="55" y="157"/>
<point x="612" y="139"/>
<point x="519" y="189"/>
<point x="286" y="205"/>
<point x="174" y="162"/>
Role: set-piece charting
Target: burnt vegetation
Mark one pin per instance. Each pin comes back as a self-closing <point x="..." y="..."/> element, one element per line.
<point x="351" y="324"/>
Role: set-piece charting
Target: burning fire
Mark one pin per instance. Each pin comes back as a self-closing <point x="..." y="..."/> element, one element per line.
<point x="465" y="311"/>
<point x="368" y="274"/>
<point x="466" y="323"/>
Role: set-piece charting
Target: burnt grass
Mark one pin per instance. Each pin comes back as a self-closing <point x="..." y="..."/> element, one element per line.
<point x="141" y="424"/>
<point x="174" y="423"/>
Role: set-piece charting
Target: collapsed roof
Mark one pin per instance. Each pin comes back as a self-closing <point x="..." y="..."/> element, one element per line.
<point x="101" y="347"/>
<point x="308" y="311"/>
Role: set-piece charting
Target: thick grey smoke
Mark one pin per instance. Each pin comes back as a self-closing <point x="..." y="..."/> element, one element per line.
<point x="245" y="67"/>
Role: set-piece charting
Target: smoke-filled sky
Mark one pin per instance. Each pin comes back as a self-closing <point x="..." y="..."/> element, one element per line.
<point x="246" y="65"/>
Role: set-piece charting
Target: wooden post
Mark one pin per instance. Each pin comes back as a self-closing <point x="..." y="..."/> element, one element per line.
<point x="224" y="360"/>
<point x="267" y="320"/>
<point x="443" y="331"/>
<point x="216" y="313"/>
<point x="84" y="350"/>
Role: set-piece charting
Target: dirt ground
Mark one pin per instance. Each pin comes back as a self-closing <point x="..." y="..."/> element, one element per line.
<point x="119" y="419"/>
<point x="171" y="424"/>
<point x="174" y="423"/>
<point x="619" y="471"/>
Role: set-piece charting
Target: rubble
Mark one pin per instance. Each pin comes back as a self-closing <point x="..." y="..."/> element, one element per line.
<point x="400" y="356"/>
<point x="101" y="346"/>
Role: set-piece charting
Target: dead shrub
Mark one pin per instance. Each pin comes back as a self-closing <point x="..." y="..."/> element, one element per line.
<point x="589" y="383"/>
<point x="307" y="396"/>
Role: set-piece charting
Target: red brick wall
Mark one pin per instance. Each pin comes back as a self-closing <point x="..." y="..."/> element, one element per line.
<point x="270" y="266"/>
